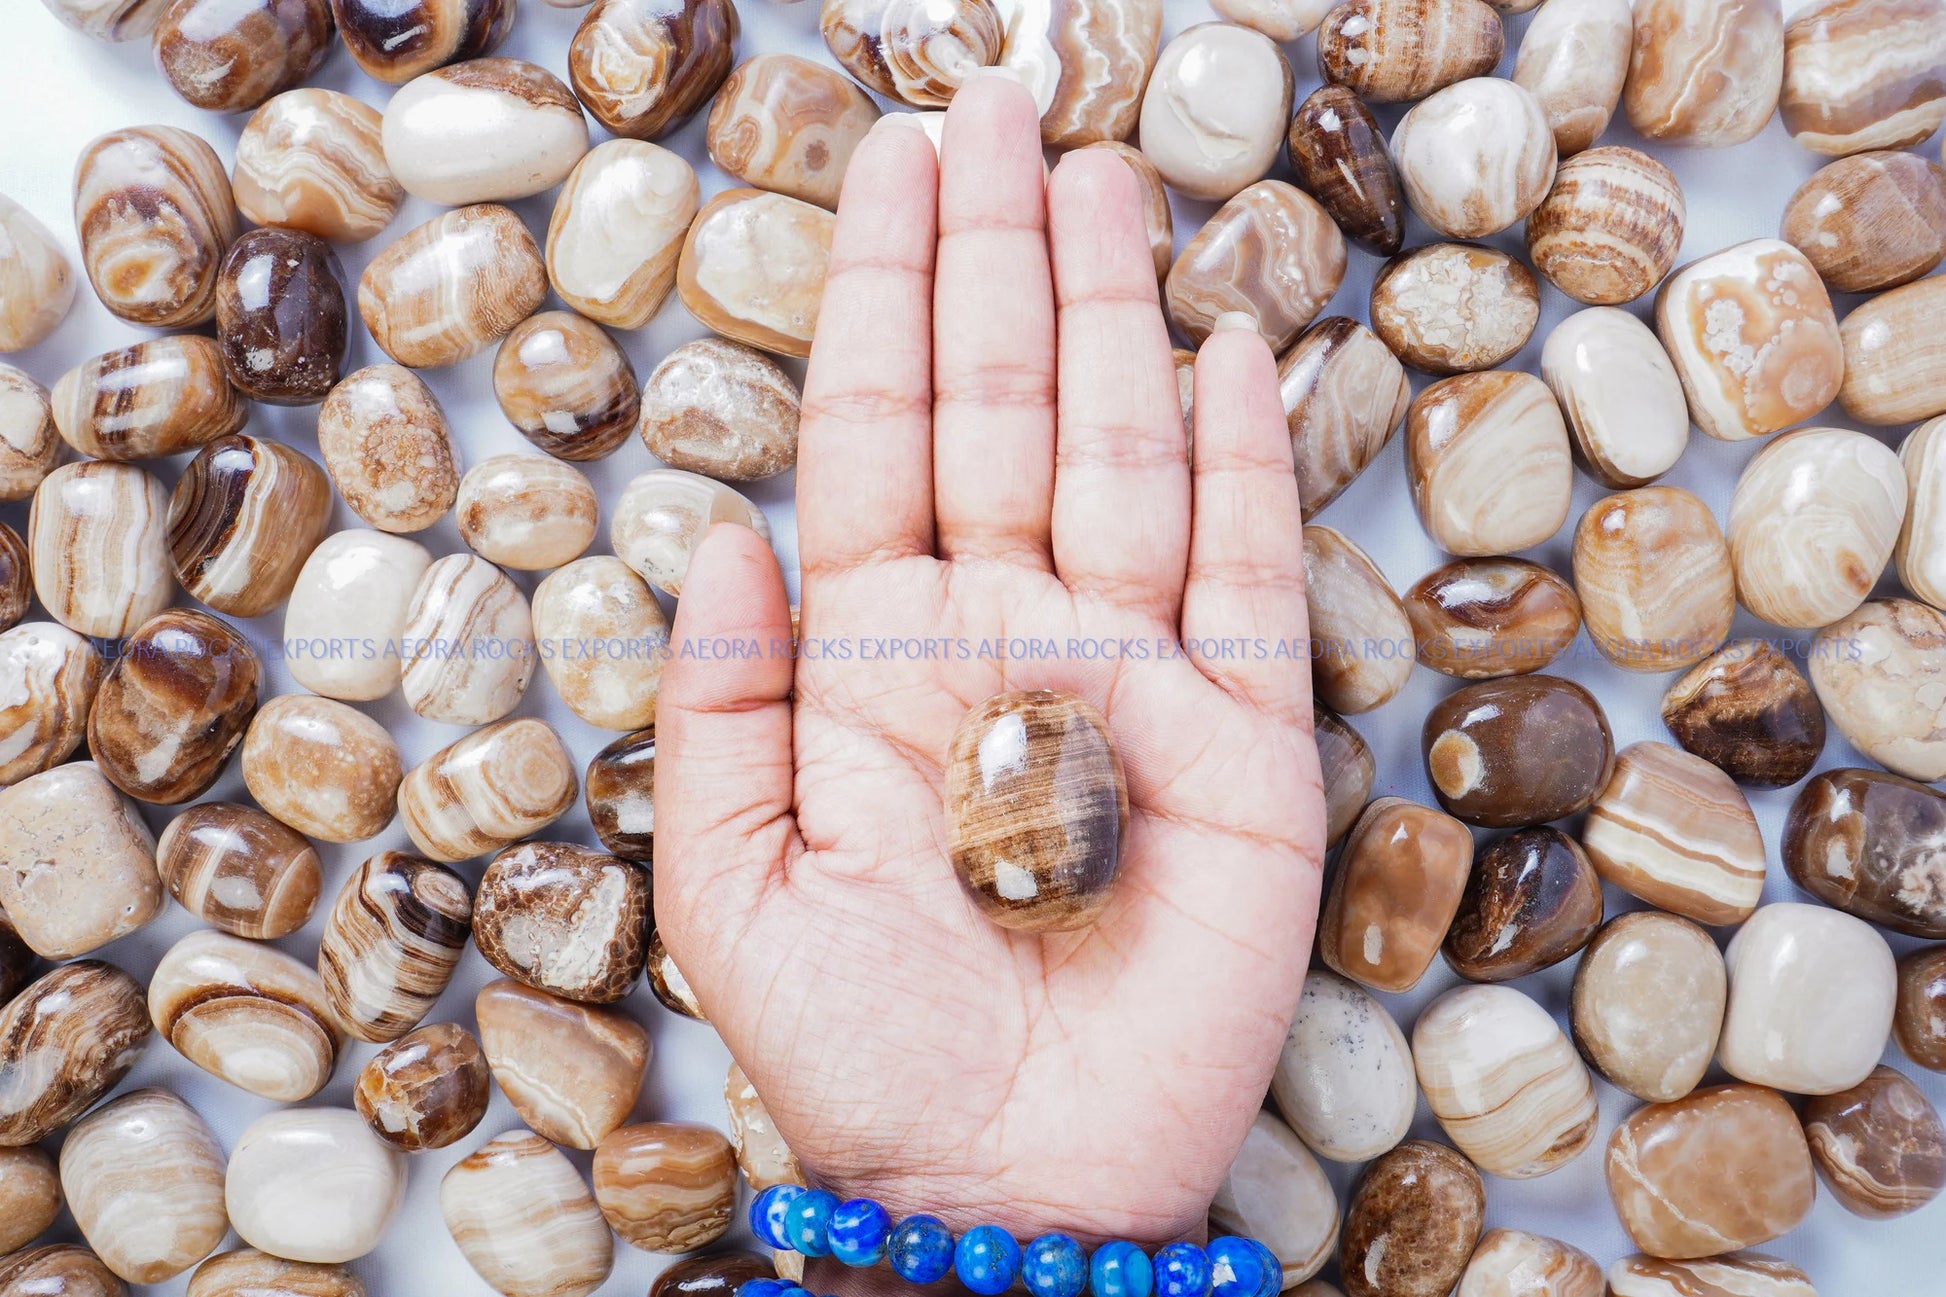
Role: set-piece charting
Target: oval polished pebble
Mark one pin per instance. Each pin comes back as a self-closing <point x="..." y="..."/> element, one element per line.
<point x="1880" y="1146"/>
<point x="1412" y="1223"/>
<point x="524" y="1220"/>
<point x="397" y="40"/>
<point x="1344" y="396"/>
<point x="642" y="67"/>
<point x="451" y="288"/>
<point x="281" y="318"/>
<point x="244" y="516"/>
<point x="48" y="678"/>
<point x="145" y="401"/>
<point x="1815" y="516"/>
<point x="1488" y="461"/>
<point x="1919" y="1019"/>
<point x="617" y="229"/>
<point x="1156" y="216"/>
<point x="1752" y="335"/>
<point x="153" y="209"/>
<point x="313" y="160"/>
<point x="66" y="1040"/>
<point x="386" y="444"/>
<point x="1812" y="997"/>
<point x="1704" y="73"/>
<point x="603" y="640"/>
<point x="1895" y="369"/>
<point x="1623" y="401"/>
<point x="1610" y="228"/>
<point x="313" y="1185"/>
<point x="565" y="920"/>
<point x="666" y="1186"/>
<point x="1653" y="573"/>
<point x="1475" y="157"/>
<point x="566" y="386"/>
<point x="752" y="268"/>
<point x="1514" y="1261"/>
<point x="762" y="1155"/>
<point x="1737" y="1274"/>
<point x="30" y="441"/>
<point x="77" y="864"/>
<point x="1722" y="1169"/>
<point x="327" y="770"/>
<point x="788" y="125"/>
<point x="346" y="615"/>
<point x="30" y="1196"/>
<point x="1395" y="51"/>
<point x="1878" y="673"/>
<point x="486" y="130"/>
<point x="391" y="942"/>
<point x="912" y="54"/>
<point x="1480" y="618"/>
<point x="1271" y="252"/>
<point x="426" y="1090"/>
<point x="1864" y="74"/>
<point x="1451" y="308"/>
<point x="1676" y="831"/>
<point x="1276" y="1193"/>
<point x="662" y="516"/>
<point x="1870" y="222"/>
<point x="1749" y="711"/>
<point x="526" y="512"/>
<point x="620" y="792"/>
<point x="670" y="984"/>
<point x="470" y="643"/>
<point x="713" y="1274"/>
<point x="499" y="784"/>
<point x="245" y="1012"/>
<point x="1358" y="626"/>
<point x="57" y="1270"/>
<point x="1215" y="109"/>
<point x="1921" y="551"/>
<point x="1340" y="155"/>
<point x="98" y="539"/>
<point x="572" y="1071"/>
<point x="1086" y="65"/>
<point x="250" y="1273"/>
<point x="36" y="281"/>
<point x="1519" y="751"/>
<point x="721" y="409"/>
<point x="239" y="870"/>
<point x="1345" y="1080"/>
<point x="173" y="706"/>
<point x="144" y="1179"/>
<point x="1532" y="900"/>
<point x="1574" y="60"/>
<point x="1281" y="20"/>
<point x="1874" y="845"/>
<point x="229" y="57"/>
<point x="1648" y="1004"/>
<point x="1348" y="766"/>
<point x="1400" y="877"/>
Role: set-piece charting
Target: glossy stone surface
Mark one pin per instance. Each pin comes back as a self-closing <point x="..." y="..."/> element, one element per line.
<point x="247" y="1013"/>
<point x="1357" y="622"/>
<point x="154" y="214"/>
<point x="66" y="1040"/>
<point x="1519" y="751"/>
<point x="1623" y="401"/>
<point x="1880" y="1145"/>
<point x="386" y="444"/>
<point x="487" y="130"/>
<point x="1737" y="1274"/>
<point x="173" y="706"/>
<point x="566" y="386"/>
<point x="244" y="516"/>
<point x="1341" y="156"/>
<point x="1724" y="1168"/>
<point x="666" y="1186"/>
<point x="526" y="512"/>
<point x="30" y="442"/>
<point x="1450" y="308"/>
<point x="1532" y="900"/>
<point x="36" y="281"/>
<point x="57" y="1270"/>
<point x="762" y="1154"/>
<point x="1276" y="1193"/>
<point x="1271" y="252"/>
<point x="48" y="677"/>
<point x="426" y="1090"/>
<point x="1394" y="51"/>
<point x="348" y="606"/>
<point x="148" y="400"/>
<point x="1873" y="845"/>
<point x="1870" y="222"/>
<point x="393" y="937"/>
<point x="617" y="229"/>
<point x="1895" y="367"/>
<point x="917" y="55"/>
<point x="313" y="1184"/>
<point x="98" y="539"/>
<point x="642" y="67"/>
<point x="30" y="1196"/>
<point x="1877" y="673"/>
<point x="1344" y="396"/>
<point x="1919" y="1020"/>
<point x="1704" y="73"/>
<point x="1573" y="60"/>
<point x="670" y="984"/>
<point x="327" y="770"/>
<point x="1921" y="550"/>
<point x="1215" y="109"/>
<point x="603" y="640"/>
<point x="452" y="287"/>
<point x="397" y="40"/>
<point x="1400" y="877"/>
<point x="1812" y="994"/>
<point x="1345" y="1080"/>
<point x="752" y="268"/>
<point x="239" y="870"/>
<point x="1864" y="74"/>
<point x="1412" y="1223"/>
<point x="474" y="642"/>
<point x="1749" y="711"/>
<point x="1648" y="1004"/>
<point x="16" y="583"/>
<point x="144" y="1179"/>
<point x="229" y="57"/>
<point x="1610" y="228"/>
<point x="281" y="317"/>
<point x="487" y="790"/>
<point x="1480" y="618"/>
<point x="1343" y="756"/>
<point x="789" y="125"/>
<point x="1653" y="573"/>
<point x="1036" y="809"/>
<point x="1751" y="332"/>
<point x="620" y="792"/>
<point x="572" y="1071"/>
<point x="721" y="409"/>
<point x="314" y="160"/>
<point x="564" y="919"/>
<point x="1475" y="157"/>
<point x="525" y="1221"/>
<point x="1513" y="1261"/>
<point x="713" y="1274"/>
<point x="1676" y="831"/>
<point x="1488" y="462"/>
<point x="77" y="864"/>
<point x="250" y="1273"/>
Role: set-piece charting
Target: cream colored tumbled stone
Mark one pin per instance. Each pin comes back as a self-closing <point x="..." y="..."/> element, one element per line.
<point x="1812" y="992"/>
<point x="144" y="1178"/>
<point x="617" y="229"/>
<point x="36" y="281"/>
<point x="1488" y="461"/>
<point x="98" y="536"/>
<point x="1364" y="637"/>
<point x="347" y="613"/>
<point x="1514" y="1263"/>
<point x="1215" y="109"/>
<point x="603" y="640"/>
<point x="1475" y="157"/>
<point x="752" y="268"/>
<point x="1345" y="1080"/>
<point x="77" y="864"/>
<point x="1623" y="401"/>
<point x="1736" y="1274"/>
<point x="1648" y="1004"/>
<point x="313" y="1184"/>
<point x="525" y="1220"/>
<point x="1676" y="831"/>
<point x="1881" y="675"/>
<point x="498" y="784"/>
<point x="1921" y="551"/>
<point x="1276" y="1193"/>
<point x="470" y="640"/>
<point x="486" y="130"/>
<point x="1574" y="61"/>
<point x="661" y="517"/>
<point x="526" y="512"/>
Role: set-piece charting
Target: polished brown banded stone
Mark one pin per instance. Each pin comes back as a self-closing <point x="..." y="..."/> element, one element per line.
<point x="174" y="706"/>
<point x="565" y="920"/>
<point x="1750" y="712"/>
<point x="428" y="1089"/>
<point x="1340" y="155"/>
<point x="1518" y="751"/>
<point x="392" y="940"/>
<point x="1481" y="618"/>
<point x="281" y="316"/>
<point x="1531" y="901"/>
<point x="1880" y="1145"/>
<point x="1871" y="844"/>
<point x="1412" y="1223"/>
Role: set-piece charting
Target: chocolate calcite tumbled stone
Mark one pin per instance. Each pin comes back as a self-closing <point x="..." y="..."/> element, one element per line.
<point x="1532" y="900"/>
<point x="1880" y="1145"/>
<point x="1400" y="877"/>
<point x="713" y="1274"/>
<point x="1343" y="756"/>
<point x="425" y="1090"/>
<point x="1481" y="618"/>
<point x="1873" y="845"/>
<point x="1648" y="1004"/>
<point x="1723" y="1169"/>
<point x="1749" y="711"/>
<point x="1514" y="1263"/>
<point x="1526" y="750"/>
<point x="1413" y="1223"/>
<point x="1919" y="1022"/>
<point x="1676" y="831"/>
<point x="565" y="920"/>
<point x="1738" y="1274"/>
<point x="1271" y="252"/>
<point x="1037" y="809"/>
<point x="1812" y="994"/>
<point x="572" y="1071"/>
<point x="1874" y="672"/>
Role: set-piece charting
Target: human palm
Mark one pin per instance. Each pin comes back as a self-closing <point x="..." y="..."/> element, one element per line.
<point x="961" y="487"/>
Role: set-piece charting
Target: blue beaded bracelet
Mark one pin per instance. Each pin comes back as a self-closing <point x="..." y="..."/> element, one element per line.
<point x="988" y="1260"/>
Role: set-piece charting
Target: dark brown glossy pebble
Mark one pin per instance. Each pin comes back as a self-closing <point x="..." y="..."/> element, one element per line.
<point x="1748" y="711"/>
<point x="65" y="1041"/>
<point x="566" y="385"/>
<point x="425" y="1090"/>
<point x="1532" y="900"/>
<point x="16" y="578"/>
<point x="57" y="1270"/>
<point x="1880" y="1145"/>
<point x="1341" y="159"/>
<point x="1871" y="844"/>
<point x="229" y="56"/>
<point x="281" y="316"/>
<point x="620" y="792"/>
<point x="565" y="920"/>
<point x="714" y="1274"/>
<point x="396" y="40"/>
<point x="174" y="706"/>
<point x="668" y="982"/>
<point x="1412" y="1223"/>
<point x="1524" y="750"/>
<point x="1919" y="1023"/>
<point x="16" y="962"/>
<point x="1482" y="618"/>
<point x="1349" y="768"/>
<point x="643" y="67"/>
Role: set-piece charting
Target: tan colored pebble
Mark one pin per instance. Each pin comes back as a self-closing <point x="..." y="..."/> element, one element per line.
<point x="526" y="512"/>
<point x="1275" y="1192"/>
<point x="313" y="1185"/>
<point x="1487" y="456"/>
<point x="313" y="160"/>
<point x="666" y="1186"/>
<point x="385" y="442"/>
<point x="227" y="57"/>
<point x="484" y="130"/>
<point x="1363" y="636"/>
<point x="1735" y="1274"/>
<point x="144" y="1179"/>
<point x="603" y="640"/>
<point x="1396" y="51"/>
<point x="1610" y="228"/>
<point x="564" y="919"/>
<point x="245" y="514"/>
<point x="1344" y="395"/>
<point x="1475" y="157"/>
<point x="617" y="229"/>
<point x="643" y="67"/>
<point x="58" y="1270"/>
<point x="670" y="983"/>
<point x="497" y="785"/>
<point x="1482" y="618"/>
<point x="752" y="268"/>
<point x="250" y="1273"/>
<point x="36" y="282"/>
<point x="451" y="288"/>
<point x="391" y="942"/>
<point x="662" y="516"/>
<point x="66" y="1039"/>
<point x="789" y="125"/>
<point x="245" y="1012"/>
<point x="1622" y="398"/>
<point x="1921" y="551"/>
<point x="1653" y="573"/>
<point x="566" y="386"/>
<point x="1510" y="1261"/>
<point x="1880" y="1145"/>
<point x="98" y="540"/>
<point x="48" y="678"/>
<point x="525" y="1221"/>
<point x="1676" y="831"/>
<point x="1574" y="60"/>
<point x="347" y="613"/>
<point x="917" y="56"/>
<point x="1215" y="109"/>
<point x="1812" y="995"/>
<point x="1270" y="252"/>
<point x="77" y="864"/>
<point x="572" y="1071"/>
<point x="155" y="216"/>
<point x="326" y="769"/>
<point x="1400" y="878"/>
<point x="1863" y="74"/>
<point x="762" y="1155"/>
<point x="1648" y="1004"/>
<point x="152" y="399"/>
<point x="30" y="441"/>
<point x="428" y="1089"/>
<point x="173" y="706"/>
<point x="30" y="1196"/>
<point x="1881" y="675"/>
<point x="1704" y="73"/>
<point x="239" y="870"/>
<point x="1870" y="222"/>
<point x="1895" y="361"/>
<point x="1451" y="308"/>
<point x="469" y="643"/>
<point x="721" y="409"/>
<point x="1115" y="42"/>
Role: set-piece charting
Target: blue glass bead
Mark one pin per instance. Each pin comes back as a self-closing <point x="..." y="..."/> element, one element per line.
<point x="767" y="1212"/>
<point x="1054" y="1265"/>
<point x="760" y="1288"/>
<point x="987" y="1260"/>
<point x="1121" y="1269"/>
<point x="858" y="1232"/>
<point x="807" y="1222"/>
<point x="921" y="1249"/>
<point x="1181" y="1270"/>
<point x="1273" y="1270"/>
<point x="1236" y="1268"/>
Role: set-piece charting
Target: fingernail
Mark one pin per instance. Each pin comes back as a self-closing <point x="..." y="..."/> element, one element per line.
<point x="1001" y="72"/>
<point x="910" y="121"/>
<point x="1234" y="320"/>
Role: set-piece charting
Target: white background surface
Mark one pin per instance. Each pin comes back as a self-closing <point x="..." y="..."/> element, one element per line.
<point x="58" y="90"/>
